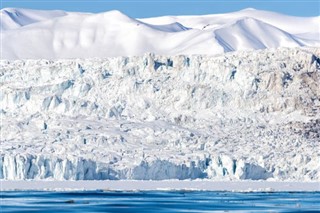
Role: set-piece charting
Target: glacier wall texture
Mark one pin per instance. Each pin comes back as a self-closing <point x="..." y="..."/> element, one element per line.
<point x="245" y="115"/>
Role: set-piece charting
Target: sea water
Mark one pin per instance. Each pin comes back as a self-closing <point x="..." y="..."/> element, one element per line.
<point x="158" y="201"/>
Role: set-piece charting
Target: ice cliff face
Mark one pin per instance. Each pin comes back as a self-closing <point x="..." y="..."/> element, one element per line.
<point x="245" y="115"/>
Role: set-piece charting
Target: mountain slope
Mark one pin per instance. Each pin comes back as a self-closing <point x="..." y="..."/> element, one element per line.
<point x="250" y="33"/>
<point x="12" y="18"/>
<point x="287" y="23"/>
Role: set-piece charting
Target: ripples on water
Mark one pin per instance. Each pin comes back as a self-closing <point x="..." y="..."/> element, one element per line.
<point x="155" y="201"/>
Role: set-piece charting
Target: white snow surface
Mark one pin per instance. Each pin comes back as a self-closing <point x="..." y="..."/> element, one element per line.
<point x="242" y="115"/>
<point x="32" y="34"/>
<point x="12" y="18"/>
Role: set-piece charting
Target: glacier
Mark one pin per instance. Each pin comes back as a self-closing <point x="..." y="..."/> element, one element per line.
<point x="234" y="116"/>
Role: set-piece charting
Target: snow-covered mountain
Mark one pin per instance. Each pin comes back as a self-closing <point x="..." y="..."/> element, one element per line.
<point x="32" y="34"/>
<point x="241" y="115"/>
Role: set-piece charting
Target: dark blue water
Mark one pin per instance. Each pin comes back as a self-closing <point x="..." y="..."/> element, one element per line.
<point x="155" y="201"/>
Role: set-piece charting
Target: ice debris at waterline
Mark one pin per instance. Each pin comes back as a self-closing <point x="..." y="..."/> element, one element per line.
<point x="245" y="115"/>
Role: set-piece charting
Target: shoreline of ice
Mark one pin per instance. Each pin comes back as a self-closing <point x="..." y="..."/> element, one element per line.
<point x="164" y="185"/>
